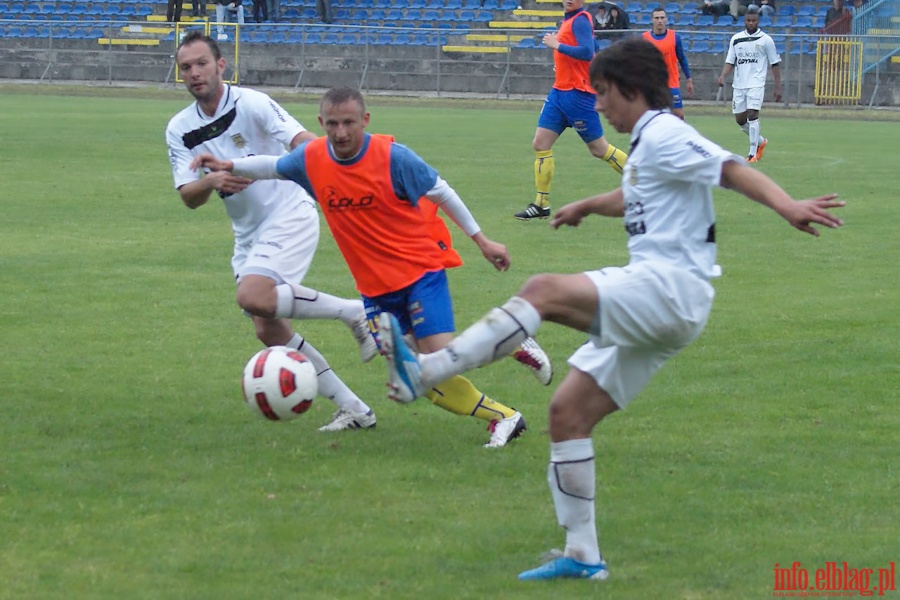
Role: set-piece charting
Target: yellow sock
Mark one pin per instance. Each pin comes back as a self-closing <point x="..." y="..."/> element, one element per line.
<point x="543" y="175"/>
<point x="615" y="158"/>
<point x="459" y="396"/>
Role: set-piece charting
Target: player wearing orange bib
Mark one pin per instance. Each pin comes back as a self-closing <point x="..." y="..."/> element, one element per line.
<point x="380" y="201"/>
<point x="570" y="103"/>
<point x="669" y="44"/>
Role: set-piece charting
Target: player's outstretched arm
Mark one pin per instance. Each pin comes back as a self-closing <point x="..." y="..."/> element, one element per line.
<point x="801" y="214"/>
<point x="609" y="204"/>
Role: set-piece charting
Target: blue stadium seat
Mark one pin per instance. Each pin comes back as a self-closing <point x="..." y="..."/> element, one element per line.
<point x="705" y="21"/>
<point x="483" y="16"/>
<point x="16" y="8"/>
<point x="690" y="8"/>
<point x="806" y="10"/>
<point x="786" y="10"/>
<point x="32" y="8"/>
<point x="634" y="7"/>
<point x="509" y="4"/>
<point x="490" y="5"/>
<point x="784" y="21"/>
<point x="804" y="22"/>
<point x="701" y="47"/>
<point x="725" y="21"/>
<point x="431" y="14"/>
<point x="672" y="7"/>
<point x="414" y="14"/>
<point x="453" y="5"/>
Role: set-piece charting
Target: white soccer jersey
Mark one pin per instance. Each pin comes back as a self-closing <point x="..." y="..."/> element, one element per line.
<point x="246" y="122"/>
<point x="666" y="183"/>
<point x="751" y="54"/>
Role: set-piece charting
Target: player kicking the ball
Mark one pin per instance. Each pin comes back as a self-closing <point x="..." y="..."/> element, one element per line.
<point x="638" y="316"/>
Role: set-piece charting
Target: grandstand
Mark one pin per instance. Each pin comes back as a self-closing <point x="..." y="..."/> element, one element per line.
<point x="472" y="30"/>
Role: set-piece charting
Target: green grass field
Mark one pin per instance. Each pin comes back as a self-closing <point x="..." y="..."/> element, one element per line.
<point x="131" y="470"/>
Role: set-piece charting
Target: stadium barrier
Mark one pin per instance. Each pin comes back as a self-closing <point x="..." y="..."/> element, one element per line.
<point x="390" y="60"/>
<point x="839" y="63"/>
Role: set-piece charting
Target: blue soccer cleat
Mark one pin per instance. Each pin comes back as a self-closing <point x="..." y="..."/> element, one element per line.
<point x="404" y="372"/>
<point x="566" y="567"/>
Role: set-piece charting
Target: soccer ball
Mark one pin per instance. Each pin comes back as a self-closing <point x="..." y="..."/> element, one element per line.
<point x="279" y="383"/>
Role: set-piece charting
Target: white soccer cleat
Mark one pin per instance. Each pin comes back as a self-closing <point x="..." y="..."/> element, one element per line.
<point x="344" y="420"/>
<point x="504" y="430"/>
<point x="533" y="356"/>
<point x="404" y="372"/>
<point x="368" y="349"/>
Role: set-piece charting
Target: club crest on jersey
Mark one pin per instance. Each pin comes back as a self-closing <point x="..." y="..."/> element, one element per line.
<point x="632" y="176"/>
<point x="238" y="140"/>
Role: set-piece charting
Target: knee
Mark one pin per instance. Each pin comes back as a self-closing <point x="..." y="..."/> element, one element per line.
<point x="534" y="291"/>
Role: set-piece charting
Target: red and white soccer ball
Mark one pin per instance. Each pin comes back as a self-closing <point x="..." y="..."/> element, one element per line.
<point x="279" y="383"/>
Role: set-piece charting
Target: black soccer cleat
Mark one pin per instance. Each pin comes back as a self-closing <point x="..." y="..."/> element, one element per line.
<point x="533" y="211"/>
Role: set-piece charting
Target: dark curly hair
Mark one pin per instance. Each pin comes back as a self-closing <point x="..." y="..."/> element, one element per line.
<point x="636" y="67"/>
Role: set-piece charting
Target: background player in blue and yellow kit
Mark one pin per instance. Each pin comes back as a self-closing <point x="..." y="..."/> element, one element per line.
<point x="669" y="44"/>
<point x="570" y="103"/>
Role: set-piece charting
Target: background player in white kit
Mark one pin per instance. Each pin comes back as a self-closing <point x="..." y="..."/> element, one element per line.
<point x="750" y="54"/>
<point x="638" y="316"/>
<point x="276" y="224"/>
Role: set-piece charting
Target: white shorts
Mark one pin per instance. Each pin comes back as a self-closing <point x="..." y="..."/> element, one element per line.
<point x="748" y="99"/>
<point x="648" y="313"/>
<point x="283" y="247"/>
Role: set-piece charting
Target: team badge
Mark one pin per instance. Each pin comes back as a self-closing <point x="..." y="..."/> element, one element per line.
<point x="238" y="140"/>
<point x="633" y="176"/>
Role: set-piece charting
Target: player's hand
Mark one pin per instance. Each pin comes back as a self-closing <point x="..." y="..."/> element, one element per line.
<point x="570" y="214"/>
<point x="550" y="40"/>
<point x="690" y="88"/>
<point x="210" y="162"/>
<point x="802" y="213"/>
<point x="227" y="183"/>
<point x="494" y="252"/>
<point x="777" y="92"/>
<point x="721" y="81"/>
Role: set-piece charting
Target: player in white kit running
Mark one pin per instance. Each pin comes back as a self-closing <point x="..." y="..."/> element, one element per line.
<point x="275" y="223"/>
<point x="638" y="316"/>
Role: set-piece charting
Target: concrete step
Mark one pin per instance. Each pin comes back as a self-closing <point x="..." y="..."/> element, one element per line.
<point x="522" y="25"/>
<point x="475" y="49"/>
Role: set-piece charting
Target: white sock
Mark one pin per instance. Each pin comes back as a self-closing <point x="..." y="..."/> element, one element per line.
<point x="753" y="131"/>
<point x="746" y="128"/>
<point x="494" y="336"/>
<point x="330" y="385"/>
<point x="300" y="302"/>
<point x="571" y="478"/>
